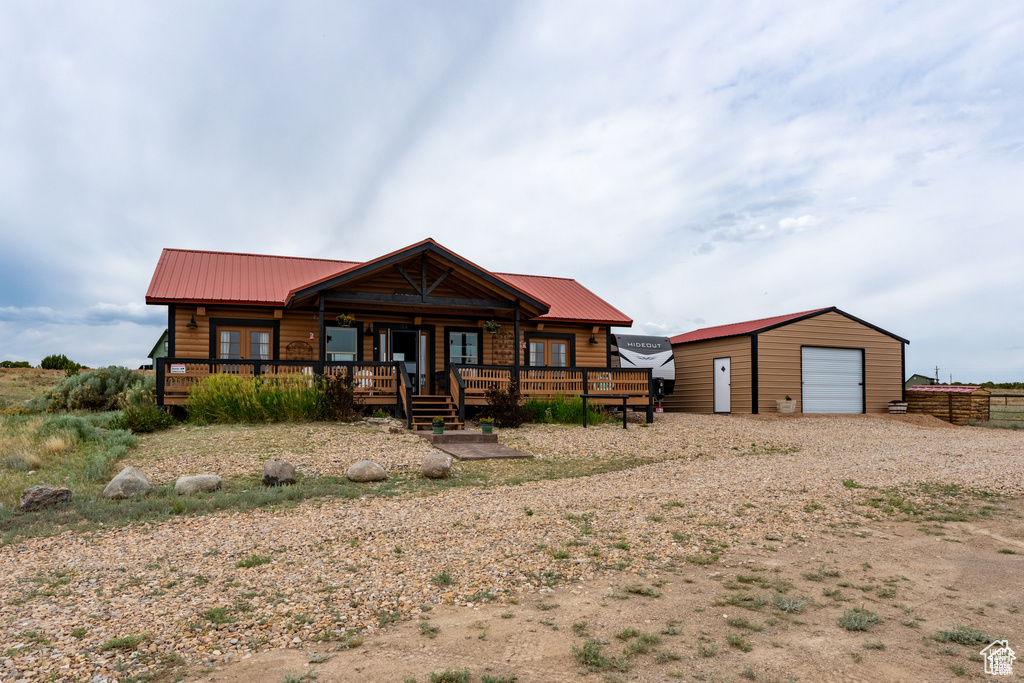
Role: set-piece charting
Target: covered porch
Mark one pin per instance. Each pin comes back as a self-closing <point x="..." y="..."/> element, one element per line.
<point x="388" y="385"/>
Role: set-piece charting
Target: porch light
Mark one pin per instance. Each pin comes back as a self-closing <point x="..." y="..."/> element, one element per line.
<point x="593" y="339"/>
<point x="191" y="324"/>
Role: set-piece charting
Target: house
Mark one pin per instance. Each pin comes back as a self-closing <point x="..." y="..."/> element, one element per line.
<point x="825" y="360"/>
<point x="421" y="330"/>
<point x="159" y="350"/>
<point x="916" y="380"/>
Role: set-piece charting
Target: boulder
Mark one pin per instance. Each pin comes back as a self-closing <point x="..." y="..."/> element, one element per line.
<point x="128" y="483"/>
<point x="39" y="497"/>
<point x="278" y="472"/>
<point x="366" y="470"/>
<point x="436" y="465"/>
<point x="199" y="482"/>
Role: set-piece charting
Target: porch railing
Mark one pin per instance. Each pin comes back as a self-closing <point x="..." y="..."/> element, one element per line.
<point x="457" y="390"/>
<point x="373" y="382"/>
<point x="553" y="382"/>
<point x="377" y="383"/>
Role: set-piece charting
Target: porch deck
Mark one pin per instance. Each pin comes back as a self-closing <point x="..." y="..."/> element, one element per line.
<point x="388" y="384"/>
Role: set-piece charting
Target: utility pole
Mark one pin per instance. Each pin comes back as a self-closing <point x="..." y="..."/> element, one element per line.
<point x="936" y="374"/>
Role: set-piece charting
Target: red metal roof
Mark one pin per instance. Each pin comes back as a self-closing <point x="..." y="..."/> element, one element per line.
<point x="568" y="299"/>
<point x="226" y="278"/>
<point x="208" y="277"/>
<point x="736" y="329"/>
<point x="940" y="389"/>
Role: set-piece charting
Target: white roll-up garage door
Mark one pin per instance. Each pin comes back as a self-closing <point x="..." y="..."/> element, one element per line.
<point x="833" y="380"/>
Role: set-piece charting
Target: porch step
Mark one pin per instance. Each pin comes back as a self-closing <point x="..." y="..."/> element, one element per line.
<point x="426" y="407"/>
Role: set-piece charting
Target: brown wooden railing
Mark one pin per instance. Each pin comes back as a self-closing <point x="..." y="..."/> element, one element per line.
<point x="553" y="382"/>
<point x="457" y="390"/>
<point x="389" y="383"/>
<point x="373" y="382"/>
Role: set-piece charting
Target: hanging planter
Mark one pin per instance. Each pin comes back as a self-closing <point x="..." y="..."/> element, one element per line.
<point x="345" y="320"/>
<point x="492" y="326"/>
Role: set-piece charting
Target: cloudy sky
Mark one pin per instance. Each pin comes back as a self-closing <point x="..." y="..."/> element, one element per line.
<point x="693" y="163"/>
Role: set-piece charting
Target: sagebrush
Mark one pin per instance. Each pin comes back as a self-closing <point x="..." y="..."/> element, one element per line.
<point x="96" y="390"/>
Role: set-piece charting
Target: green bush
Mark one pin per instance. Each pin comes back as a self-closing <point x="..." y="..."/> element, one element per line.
<point x="59" y="362"/>
<point x="96" y="390"/>
<point x="506" y="405"/>
<point x="15" y="364"/>
<point x="563" y="410"/>
<point x="139" y="412"/>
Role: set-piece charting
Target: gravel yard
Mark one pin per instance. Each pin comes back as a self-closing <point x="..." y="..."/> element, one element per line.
<point x="715" y="483"/>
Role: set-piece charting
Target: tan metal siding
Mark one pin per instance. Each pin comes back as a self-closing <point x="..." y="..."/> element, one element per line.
<point x="695" y="378"/>
<point x="778" y="359"/>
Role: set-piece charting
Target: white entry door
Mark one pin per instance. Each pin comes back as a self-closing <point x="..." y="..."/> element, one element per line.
<point x="723" y="383"/>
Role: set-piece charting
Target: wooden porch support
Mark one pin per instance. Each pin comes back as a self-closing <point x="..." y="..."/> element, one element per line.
<point x="320" y="334"/>
<point x="516" y="350"/>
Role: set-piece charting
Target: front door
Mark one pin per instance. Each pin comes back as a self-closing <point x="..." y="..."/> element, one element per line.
<point x="723" y="385"/>
<point x="405" y="349"/>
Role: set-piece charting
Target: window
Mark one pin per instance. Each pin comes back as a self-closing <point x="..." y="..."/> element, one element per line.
<point x="259" y="345"/>
<point x="464" y="348"/>
<point x="342" y="343"/>
<point x="230" y="344"/>
<point x="549" y="352"/>
<point x="246" y="343"/>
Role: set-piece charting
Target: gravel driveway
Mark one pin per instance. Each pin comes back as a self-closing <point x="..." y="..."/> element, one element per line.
<point x="326" y="567"/>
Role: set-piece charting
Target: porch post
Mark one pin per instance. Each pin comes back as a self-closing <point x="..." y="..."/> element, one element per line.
<point x="516" y="350"/>
<point x="320" y="334"/>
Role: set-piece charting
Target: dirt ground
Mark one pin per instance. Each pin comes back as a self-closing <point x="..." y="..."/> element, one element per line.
<point x="920" y="579"/>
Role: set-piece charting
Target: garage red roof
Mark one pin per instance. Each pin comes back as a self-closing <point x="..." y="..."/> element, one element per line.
<point x="736" y="329"/>
<point x="210" y="277"/>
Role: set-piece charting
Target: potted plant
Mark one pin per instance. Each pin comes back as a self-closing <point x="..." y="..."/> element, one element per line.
<point x="492" y="326"/>
<point x="788" y="405"/>
<point x="345" y="320"/>
<point x="438" y="424"/>
<point x="487" y="425"/>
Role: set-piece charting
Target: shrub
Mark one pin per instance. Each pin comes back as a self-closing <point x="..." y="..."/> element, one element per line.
<point x="97" y="390"/>
<point x="506" y="405"/>
<point x="59" y="362"/>
<point x="340" y="401"/>
<point x="139" y="412"/>
<point x="566" y="410"/>
<point x="964" y="635"/>
<point x="228" y="398"/>
<point x="858" y="619"/>
<point x="15" y="364"/>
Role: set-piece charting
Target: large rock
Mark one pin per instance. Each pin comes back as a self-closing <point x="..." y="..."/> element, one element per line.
<point x="366" y="470"/>
<point x="205" y="483"/>
<point x="436" y="465"/>
<point x="127" y="484"/>
<point x="39" y="497"/>
<point x="278" y="472"/>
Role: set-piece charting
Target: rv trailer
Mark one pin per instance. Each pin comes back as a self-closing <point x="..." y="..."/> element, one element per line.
<point x="634" y="351"/>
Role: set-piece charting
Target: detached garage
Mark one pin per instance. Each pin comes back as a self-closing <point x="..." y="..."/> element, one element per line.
<point x="826" y="361"/>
